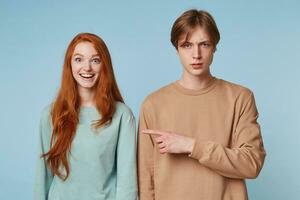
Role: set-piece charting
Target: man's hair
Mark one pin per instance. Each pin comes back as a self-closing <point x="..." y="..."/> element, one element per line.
<point x="189" y="20"/>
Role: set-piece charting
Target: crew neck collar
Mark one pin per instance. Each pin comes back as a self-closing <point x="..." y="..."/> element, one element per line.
<point x="193" y="92"/>
<point x="87" y="107"/>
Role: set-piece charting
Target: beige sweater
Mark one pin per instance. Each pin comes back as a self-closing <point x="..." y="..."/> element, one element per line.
<point x="223" y="120"/>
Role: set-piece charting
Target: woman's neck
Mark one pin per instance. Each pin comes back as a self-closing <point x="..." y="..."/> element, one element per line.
<point x="87" y="97"/>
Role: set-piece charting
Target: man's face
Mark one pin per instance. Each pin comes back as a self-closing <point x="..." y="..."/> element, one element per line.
<point x="196" y="53"/>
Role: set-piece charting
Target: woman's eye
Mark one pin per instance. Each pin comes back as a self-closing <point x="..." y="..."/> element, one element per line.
<point x="77" y="59"/>
<point x="96" y="60"/>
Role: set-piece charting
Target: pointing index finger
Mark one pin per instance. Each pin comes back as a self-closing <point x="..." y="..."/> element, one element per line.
<point x="152" y="132"/>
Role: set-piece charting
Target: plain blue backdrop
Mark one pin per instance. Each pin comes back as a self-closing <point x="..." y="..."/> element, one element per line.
<point x="259" y="49"/>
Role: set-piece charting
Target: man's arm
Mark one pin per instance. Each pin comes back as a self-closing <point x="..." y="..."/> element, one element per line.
<point x="145" y="158"/>
<point x="243" y="160"/>
<point x="246" y="157"/>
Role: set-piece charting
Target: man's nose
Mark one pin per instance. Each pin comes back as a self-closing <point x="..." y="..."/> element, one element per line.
<point x="196" y="52"/>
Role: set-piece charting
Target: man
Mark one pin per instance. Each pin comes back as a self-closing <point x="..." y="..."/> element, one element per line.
<point x="198" y="137"/>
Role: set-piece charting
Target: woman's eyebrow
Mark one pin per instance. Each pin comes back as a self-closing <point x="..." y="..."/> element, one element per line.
<point x="78" y="54"/>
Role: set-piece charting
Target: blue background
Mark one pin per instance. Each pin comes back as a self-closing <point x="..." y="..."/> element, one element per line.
<point x="259" y="49"/>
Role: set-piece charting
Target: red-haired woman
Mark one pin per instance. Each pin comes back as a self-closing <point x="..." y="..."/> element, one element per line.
<point x="87" y="136"/>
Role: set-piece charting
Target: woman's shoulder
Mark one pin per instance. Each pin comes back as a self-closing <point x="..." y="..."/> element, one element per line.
<point x="46" y="113"/>
<point x="46" y="122"/>
<point x="45" y="117"/>
<point x="123" y="109"/>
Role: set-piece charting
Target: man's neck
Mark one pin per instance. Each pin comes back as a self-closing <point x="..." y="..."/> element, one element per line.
<point x="195" y="82"/>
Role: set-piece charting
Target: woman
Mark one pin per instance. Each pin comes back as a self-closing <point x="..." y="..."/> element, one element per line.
<point x="87" y="136"/>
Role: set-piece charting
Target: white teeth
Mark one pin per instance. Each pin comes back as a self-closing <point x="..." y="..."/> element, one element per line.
<point x="87" y="75"/>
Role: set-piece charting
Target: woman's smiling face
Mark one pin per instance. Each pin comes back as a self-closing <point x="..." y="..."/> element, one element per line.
<point x="86" y="65"/>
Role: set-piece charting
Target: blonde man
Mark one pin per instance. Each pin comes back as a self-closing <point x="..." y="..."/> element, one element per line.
<point x="198" y="137"/>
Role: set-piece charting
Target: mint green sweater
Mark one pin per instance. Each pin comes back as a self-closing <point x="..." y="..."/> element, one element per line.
<point x="102" y="162"/>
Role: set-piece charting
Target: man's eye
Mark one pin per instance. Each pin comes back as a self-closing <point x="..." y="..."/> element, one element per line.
<point x="206" y="44"/>
<point x="187" y="45"/>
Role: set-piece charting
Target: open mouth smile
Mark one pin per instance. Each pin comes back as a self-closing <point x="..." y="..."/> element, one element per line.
<point x="87" y="76"/>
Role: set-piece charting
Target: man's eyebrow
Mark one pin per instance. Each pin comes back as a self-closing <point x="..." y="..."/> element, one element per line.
<point x="180" y="42"/>
<point x="208" y="40"/>
<point x="187" y="41"/>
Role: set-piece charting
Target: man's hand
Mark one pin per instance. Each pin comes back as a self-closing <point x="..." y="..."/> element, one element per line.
<point x="169" y="142"/>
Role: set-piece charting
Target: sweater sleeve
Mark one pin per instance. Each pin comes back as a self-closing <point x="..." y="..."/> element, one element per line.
<point x="245" y="158"/>
<point x="44" y="176"/>
<point x="126" y="159"/>
<point x="145" y="157"/>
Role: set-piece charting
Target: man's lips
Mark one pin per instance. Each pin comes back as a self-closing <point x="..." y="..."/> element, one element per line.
<point x="197" y="65"/>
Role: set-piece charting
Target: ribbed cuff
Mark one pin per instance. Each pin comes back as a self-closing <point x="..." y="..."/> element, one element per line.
<point x="197" y="151"/>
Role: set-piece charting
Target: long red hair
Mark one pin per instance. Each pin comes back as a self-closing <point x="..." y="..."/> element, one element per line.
<point x="66" y="107"/>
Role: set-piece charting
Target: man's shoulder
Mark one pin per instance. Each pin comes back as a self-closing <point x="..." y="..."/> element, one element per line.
<point x="159" y="94"/>
<point x="235" y="91"/>
<point x="234" y="88"/>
